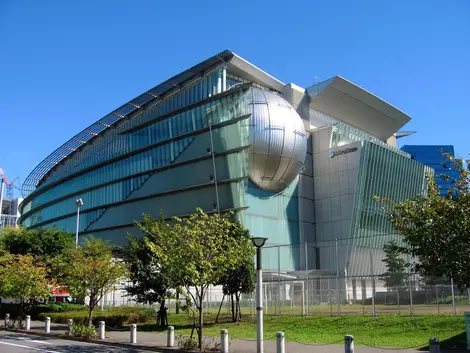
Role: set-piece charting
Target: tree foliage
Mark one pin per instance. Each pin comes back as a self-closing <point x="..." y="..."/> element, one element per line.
<point x="90" y="272"/>
<point x="436" y="230"/>
<point x="23" y="278"/>
<point x="396" y="275"/>
<point x="149" y="285"/>
<point x="43" y="243"/>
<point x="241" y="278"/>
<point x="195" y="251"/>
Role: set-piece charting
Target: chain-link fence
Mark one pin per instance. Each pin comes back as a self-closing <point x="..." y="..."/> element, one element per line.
<point x="344" y="276"/>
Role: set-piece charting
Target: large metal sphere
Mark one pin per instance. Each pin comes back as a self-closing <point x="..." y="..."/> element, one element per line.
<point x="278" y="141"/>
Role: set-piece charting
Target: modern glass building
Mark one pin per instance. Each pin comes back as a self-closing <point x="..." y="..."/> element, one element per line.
<point x="434" y="157"/>
<point x="299" y="166"/>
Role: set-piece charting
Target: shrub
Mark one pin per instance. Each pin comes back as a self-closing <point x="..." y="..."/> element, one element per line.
<point x="35" y="310"/>
<point x="186" y="343"/>
<point x="79" y="330"/>
<point x="113" y="317"/>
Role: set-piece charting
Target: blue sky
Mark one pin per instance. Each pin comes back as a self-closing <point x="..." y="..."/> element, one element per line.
<point x="65" y="64"/>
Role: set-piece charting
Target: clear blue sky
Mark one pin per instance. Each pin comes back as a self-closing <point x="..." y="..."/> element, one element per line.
<point x="65" y="64"/>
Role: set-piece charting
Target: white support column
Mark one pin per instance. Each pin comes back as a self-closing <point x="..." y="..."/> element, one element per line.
<point x="280" y="342"/>
<point x="170" y="338"/>
<point x="224" y="79"/>
<point x="102" y="330"/>
<point x="27" y="324"/>
<point x="223" y="341"/>
<point x="133" y="338"/>
<point x="348" y="344"/>
<point x="434" y="345"/>
<point x="47" y="325"/>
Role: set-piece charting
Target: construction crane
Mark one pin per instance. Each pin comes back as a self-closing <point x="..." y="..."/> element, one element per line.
<point x="9" y="185"/>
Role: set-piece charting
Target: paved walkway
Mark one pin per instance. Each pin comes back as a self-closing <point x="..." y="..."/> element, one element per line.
<point x="151" y="339"/>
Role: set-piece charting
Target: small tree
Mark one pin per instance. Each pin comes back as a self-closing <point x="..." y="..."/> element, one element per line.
<point x="436" y="229"/>
<point x="396" y="275"/>
<point x="24" y="279"/>
<point x="149" y="285"/>
<point x="90" y="271"/>
<point x="241" y="278"/>
<point x="195" y="252"/>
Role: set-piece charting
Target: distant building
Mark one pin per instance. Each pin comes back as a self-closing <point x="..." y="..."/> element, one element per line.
<point x="10" y="213"/>
<point x="433" y="156"/>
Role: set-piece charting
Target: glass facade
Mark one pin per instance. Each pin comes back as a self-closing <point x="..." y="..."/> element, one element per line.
<point x="191" y="148"/>
<point x="110" y="170"/>
<point x="433" y="156"/>
<point x="384" y="173"/>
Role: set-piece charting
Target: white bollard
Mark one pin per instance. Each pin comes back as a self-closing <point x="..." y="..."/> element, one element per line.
<point x="280" y="342"/>
<point x="7" y="320"/>
<point x="223" y="341"/>
<point x="170" y="338"/>
<point x="69" y="324"/>
<point x="47" y="327"/>
<point x="133" y="333"/>
<point x="102" y="330"/>
<point x="434" y="345"/>
<point x="27" y="324"/>
<point x="348" y="344"/>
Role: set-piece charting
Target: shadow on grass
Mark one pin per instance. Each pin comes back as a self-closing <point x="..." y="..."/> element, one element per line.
<point x="208" y="322"/>
<point x="457" y="343"/>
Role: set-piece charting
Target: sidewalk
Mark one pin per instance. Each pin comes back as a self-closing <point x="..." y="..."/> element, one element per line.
<point x="158" y="340"/>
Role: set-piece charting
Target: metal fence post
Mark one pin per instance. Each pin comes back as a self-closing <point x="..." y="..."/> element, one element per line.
<point x="306" y="277"/>
<point x="454" y="309"/>
<point x="338" y="293"/>
<point x="27" y="325"/>
<point x="279" y="278"/>
<point x="372" y="281"/>
<point x="434" y="345"/>
<point x="411" y="293"/>
<point x="102" y="330"/>
<point x="223" y="341"/>
<point x="280" y="342"/>
<point x="348" y="344"/>
<point x="170" y="338"/>
<point x="133" y="333"/>
<point x="47" y="325"/>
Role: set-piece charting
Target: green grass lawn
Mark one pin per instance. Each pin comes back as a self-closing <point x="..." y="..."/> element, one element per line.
<point x="383" y="331"/>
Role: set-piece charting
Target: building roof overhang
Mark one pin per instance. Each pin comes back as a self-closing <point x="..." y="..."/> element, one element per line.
<point x="356" y="106"/>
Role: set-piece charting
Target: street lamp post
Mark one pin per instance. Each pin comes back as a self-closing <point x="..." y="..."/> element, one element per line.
<point x="258" y="243"/>
<point x="78" y="202"/>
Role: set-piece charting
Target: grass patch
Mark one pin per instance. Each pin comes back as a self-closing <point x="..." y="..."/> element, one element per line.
<point x="392" y="331"/>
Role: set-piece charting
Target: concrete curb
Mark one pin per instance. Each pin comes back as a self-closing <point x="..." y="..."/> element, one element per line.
<point x="101" y="342"/>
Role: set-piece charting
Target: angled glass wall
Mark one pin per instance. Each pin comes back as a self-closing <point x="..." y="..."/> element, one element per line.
<point x="384" y="173"/>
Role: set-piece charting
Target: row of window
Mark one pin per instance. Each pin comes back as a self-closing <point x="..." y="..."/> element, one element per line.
<point x="224" y="109"/>
<point x="112" y="144"/>
<point x="104" y="195"/>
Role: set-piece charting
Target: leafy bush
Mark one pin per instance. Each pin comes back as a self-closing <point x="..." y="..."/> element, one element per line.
<point x="35" y="310"/>
<point x="79" y="330"/>
<point x="186" y="343"/>
<point x="59" y="307"/>
<point x="115" y="317"/>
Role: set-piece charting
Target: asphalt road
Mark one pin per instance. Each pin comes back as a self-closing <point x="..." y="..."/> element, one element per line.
<point x="18" y="343"/>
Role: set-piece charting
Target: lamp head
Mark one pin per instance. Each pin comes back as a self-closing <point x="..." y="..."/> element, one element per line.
<point x="79" y="202"/>
<point x="258" y="241"/>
